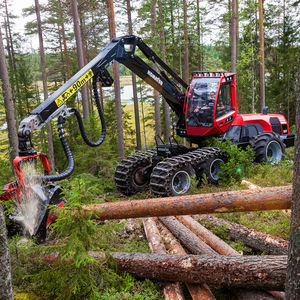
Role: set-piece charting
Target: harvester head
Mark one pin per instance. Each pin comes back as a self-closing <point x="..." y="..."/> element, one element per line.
<point x="31" y="197"/>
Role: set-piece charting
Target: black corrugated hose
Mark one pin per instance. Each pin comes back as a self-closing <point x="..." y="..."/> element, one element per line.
<point x="80" y="122"/>
<point x="64" y="141"/>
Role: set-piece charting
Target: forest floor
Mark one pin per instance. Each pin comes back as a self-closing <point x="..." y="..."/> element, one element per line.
<point x="32" y="279"/>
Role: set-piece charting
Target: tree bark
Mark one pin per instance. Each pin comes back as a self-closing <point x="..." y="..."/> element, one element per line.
<point x="163" y="55"/>
<point x="134" y="87"/>
<point x="189" y="239"/>
<point x="80" y="56"/>
<point x="293" y="272"/>
<point x="8" y="103"/>
<point x="63" y="33"/>
<point x="112" y="33"/>
<point x="155" y="92"/>
<point x="207" y="236"/>
<point x="6" y="289"/>
<point x="261" y="55"/>
<point x="186" y="45"/>
<point x="224" y="249"/>
<point x="170" y="290"/>
<point x="197" y="291"/>
<point x="260" y="272"/>
<point x="199" y="56"/>
<point x="252" y="238"/>
<point x="233" y="36"/>
<point x="223" y="202"/>
<point x="44" y="77"/>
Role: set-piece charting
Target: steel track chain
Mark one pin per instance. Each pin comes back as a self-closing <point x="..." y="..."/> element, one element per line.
<point x="162" y="173"/>
<point x="126" y="169"/>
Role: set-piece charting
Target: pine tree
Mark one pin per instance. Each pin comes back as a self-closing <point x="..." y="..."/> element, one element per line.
<point x="45" y="87"/>
<point x="112" y="32"/>
<point x="80" y="56"/>
<point x="9" y="109"/>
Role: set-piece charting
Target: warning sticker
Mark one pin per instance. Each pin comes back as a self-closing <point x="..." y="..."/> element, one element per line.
<point x="61" y="99"/>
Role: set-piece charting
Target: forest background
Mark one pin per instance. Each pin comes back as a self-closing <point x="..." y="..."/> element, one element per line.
<point x="189" y="35"/>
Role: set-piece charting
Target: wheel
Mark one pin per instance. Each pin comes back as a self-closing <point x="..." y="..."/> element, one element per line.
<point x="211" y="168"/>
<point x="132" y="174"/>
<point x="176" y="182"/>
<point x="181" y="182"/>
<point x="268" y="146"/>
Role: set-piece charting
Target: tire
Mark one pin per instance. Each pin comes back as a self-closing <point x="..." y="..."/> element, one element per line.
<point x="130" y="177"/>
<point x="210" y="168"/>
<point x="268" y="146"/>
<point x="177" y="181"/>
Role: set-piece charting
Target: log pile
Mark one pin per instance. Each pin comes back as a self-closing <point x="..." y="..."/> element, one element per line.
<point x="185" y="251"/>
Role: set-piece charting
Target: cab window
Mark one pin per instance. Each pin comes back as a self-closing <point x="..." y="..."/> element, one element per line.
<point x="224" y="101"/>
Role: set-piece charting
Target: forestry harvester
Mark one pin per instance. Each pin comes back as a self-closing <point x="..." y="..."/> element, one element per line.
<point x="206" y="107"/>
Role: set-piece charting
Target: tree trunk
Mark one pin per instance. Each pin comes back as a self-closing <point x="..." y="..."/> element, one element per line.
<point x="170" y="290"/>
<point x="199" y="36"/>
<point x="233" y="36"/>
<point x="155" y="92"/>
<point x="197" y="291"/>
<point x="224" y="249"/>
<point x="134" y="88"/>
<point x="80" y="56"/>
<point x="186" y="45"/>
<point x="63" y="33"/>
<point x="262" y="272"/>
<point x="112" y="33"/>
<point x="8" y="103"/>
<point x="189" y="239"/>
<point x="293" y="272"/>
<point x="6" y="289"/>
<point x="45" y="88"/>
<point x="252" y="238"/>
<point x="224" y="202"/>
<point x="163" y="54"/>
<point x="207" y="236"/>
<point x="261" y="55"/>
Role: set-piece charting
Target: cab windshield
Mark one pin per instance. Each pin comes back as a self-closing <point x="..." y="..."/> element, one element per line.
<point x="201" y="101"/>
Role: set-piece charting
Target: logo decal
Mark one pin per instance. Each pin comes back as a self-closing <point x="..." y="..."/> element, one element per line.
<point x="61" y="99"/>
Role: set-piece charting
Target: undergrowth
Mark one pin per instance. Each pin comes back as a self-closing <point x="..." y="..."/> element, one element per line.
<point x="237" y="164"/>
<point x="74" y="273"/>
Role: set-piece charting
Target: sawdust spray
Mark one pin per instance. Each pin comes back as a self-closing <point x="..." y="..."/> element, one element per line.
<point x="27" y="209"/>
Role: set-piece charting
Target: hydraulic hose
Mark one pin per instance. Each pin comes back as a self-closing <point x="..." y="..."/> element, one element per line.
<point x="68" y="153"/>
<point x="67" y="150"/>
<point x="101" y="115"/>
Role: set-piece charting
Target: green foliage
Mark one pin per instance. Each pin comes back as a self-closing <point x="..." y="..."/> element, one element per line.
<point x="238" y="162"/>
<point x="75" y="274"/>
<point x="5" y="175"/>
<point x="272" y="175"/>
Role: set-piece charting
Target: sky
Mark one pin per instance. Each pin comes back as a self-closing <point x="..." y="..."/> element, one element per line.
<point x="16" y="7"/>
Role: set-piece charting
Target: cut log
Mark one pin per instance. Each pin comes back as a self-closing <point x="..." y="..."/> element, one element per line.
<point x="207" y="236"/>
<point x="201" y="292"/>
<point x="186" y="236"/>
<point x="258" y="272"/>
<point x="252" y="238"/>
<point x="223" y="248"/>
<point x="224" y="202"/>
<point x="170" y="290"/>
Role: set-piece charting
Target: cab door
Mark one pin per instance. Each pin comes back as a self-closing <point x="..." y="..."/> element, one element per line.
<point x="224" y="110"/>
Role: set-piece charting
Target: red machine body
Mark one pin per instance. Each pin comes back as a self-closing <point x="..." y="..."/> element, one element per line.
<point x="14" y="190"/>
<point x="210" y="107"/>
